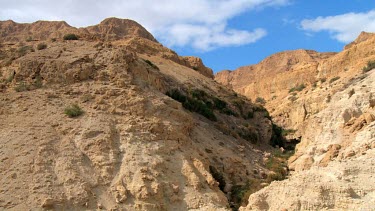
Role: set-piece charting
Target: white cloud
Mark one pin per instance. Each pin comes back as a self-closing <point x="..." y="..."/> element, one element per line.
<point x="204" y="37"/>
<point x="201" y="24"/>
<point x="344" y="28"/>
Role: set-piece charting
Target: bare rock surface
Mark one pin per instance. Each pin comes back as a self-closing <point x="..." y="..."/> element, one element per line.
<point x="335" y="162"/>
<point x="134" y="147"/>
<point x="295" y="85"/>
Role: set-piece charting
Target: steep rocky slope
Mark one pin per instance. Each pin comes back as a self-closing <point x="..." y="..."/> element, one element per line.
<point x="110" y="29"/>
<point x="327" y="101"/>
<point x="294" y="85"/>
<point x="335" y="162"/>
<point x="134" y="147"/>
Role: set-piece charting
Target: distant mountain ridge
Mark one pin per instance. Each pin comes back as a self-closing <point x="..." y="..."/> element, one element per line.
<point x="109" y="29"/>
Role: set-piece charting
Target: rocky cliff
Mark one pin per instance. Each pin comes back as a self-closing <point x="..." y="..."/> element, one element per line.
<point x="327" y="101"/>
<point x="335" y="162"/>
<point x="116" y="121"/>
<point x="294" y="85"/>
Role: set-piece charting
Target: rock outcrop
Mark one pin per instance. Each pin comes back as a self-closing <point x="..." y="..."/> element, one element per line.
<point x="334" y="164"/>
<point x="134" y="147"/>
<point x="110" y="29"/>
<point x="297" y="84"/>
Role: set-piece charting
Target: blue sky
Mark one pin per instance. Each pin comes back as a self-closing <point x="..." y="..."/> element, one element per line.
<point x="284" y="32"/>
<point x="226" y="34"/>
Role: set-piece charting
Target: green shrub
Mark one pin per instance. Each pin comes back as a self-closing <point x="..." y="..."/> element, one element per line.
<point x="219" y="104"/>
<point x="22" y="51"/>
<point x="297" y="88"/>
<point x="199" y="107"/>
<point x="218" y="176"/>
<point x="73" y="111"/>
<point x="260" y="100"/>
<point x="70" y="37"/>
<point x="199" y="94"/>
<point x="151" y="64"/>
<point x="240" y="195"/>
<point x="21" y="87"/>
<point x="370" y="65"/>
<point x="176" y="95"/>
<point x="293" y="98"/>
<point x="239" y="103"/>
<point x="41" y="46"/>
<point x="277" y="136"/>
<point x="250" y="115"/>
<point x="334" y="79"/>
<point x="38" y="83"/>
<point x="249" y="136"/>
<point x="193" y="104"/>
<point x="351" y="92"/>
<point x="229" y="112"/>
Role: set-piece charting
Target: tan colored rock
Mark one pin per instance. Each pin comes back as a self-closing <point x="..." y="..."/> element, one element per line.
<point x="197" y="64"/>
<point x="333" y="164"/>
<point x="109" y="29"/>
<point x="134" y="147"/>
<point x="322" y="75"/>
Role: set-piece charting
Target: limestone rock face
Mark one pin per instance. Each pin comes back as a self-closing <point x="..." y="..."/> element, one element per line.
<point x="197" y="64"/>
<point x="334" y="163"/>
<point x="328" y="101"/>
<point x="297" y="84"/>
<point x="115" y="29"/>
<point x="134" y="147"/>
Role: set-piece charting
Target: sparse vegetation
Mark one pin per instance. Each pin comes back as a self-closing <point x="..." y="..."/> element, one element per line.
<point x="277" y="167"/>
<point x="22" y="51"/>
<point x="73" y="111"/>
<point x="277" y="138"/>
<point x="351" y="93"/>
<point x="260" y="100"/>
<point x="70" y="37"/>
<point x="370" y="65"/>
<point x="21" y="87"/>
<point x="10" y="78"/>
<point x="297" y="88"/>
<point x="334" y="79"/>
<point x="29" y="39"/>
<point x="38" y="83"/>
<point x="322" y="80"/>
<point x="151" y="64"/>
<point x="293" y="98"/>
<point x="250" y="115"/>
<point x="249" y="135"/>
<point x="218" y="176"/>
<point x="194" y="103"/>
<point x="240" y="194"/>
<point x="53" y="39"/>
<point x="41" y="46"/>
